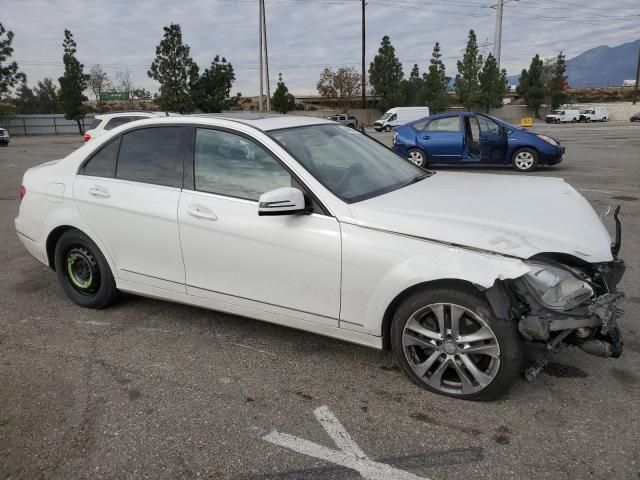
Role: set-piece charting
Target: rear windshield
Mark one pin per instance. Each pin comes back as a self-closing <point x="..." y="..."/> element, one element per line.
<point x="95" y="123"/>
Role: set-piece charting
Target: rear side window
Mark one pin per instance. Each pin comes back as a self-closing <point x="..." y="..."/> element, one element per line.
<point x="445" y="124"/>
<point x="95" y="123"/>
<point x="103" y="162"/>
<point x="117" y="121"/>
<point x="152" y="155"/>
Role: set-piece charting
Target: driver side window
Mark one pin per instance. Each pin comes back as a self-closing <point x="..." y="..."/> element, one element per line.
<point x="231" y="165"/>
<point x="487" y="125"/>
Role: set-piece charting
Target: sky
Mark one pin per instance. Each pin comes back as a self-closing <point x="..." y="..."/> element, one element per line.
<point x="304" y="36"/>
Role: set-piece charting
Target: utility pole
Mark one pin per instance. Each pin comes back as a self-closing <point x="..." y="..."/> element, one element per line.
<point x="266" y="55"/>
<point x="635" y="93"/>
<point x="498" y="38"/>
<point x="364" y="73"/>
<point x="260" y="25"/>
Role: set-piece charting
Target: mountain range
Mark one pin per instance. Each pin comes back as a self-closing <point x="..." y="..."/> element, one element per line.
<point x="601" y="66"/>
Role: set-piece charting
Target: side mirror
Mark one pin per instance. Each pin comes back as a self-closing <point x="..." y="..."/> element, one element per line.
<point x="282" y="201"/>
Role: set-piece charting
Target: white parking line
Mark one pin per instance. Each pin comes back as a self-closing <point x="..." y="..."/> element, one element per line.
<point x="349" y="456"/>
<point x="598" y="191"/>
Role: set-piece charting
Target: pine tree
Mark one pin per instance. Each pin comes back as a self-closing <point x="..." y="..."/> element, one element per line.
<point x="47" y="97"/>
<point x="385" y="75"/>
<point x="436" y="83"/>
<point x="493" y="84"/>
<point x="213" y="88"/>
<point x="467" y="84"/>
<point x="558" y="85"/>
<point x="26" y="102"/>
<point x="413" y="88"/>
<point x="73" y="83"/>
<point x="531" y="86"/>
<point x="9" y="74"/>
<point x="282" y="101"/>
<point x="176" y="72"/>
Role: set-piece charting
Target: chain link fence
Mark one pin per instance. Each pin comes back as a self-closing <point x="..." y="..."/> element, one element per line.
<point x="54" y="124"/>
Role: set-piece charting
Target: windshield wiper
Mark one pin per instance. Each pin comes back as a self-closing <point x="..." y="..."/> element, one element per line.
<point x="417" y="178"/>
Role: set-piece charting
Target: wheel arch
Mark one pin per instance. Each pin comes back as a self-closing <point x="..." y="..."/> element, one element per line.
<point x="520" y="147"/>
<point x="55" y="232"/>
<point x="391" y="309"/>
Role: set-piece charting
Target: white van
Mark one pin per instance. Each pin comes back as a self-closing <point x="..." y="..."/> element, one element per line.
<point x="559" y="116"/>
<point x="594" y="114"/>
<point x="398" y="116"/>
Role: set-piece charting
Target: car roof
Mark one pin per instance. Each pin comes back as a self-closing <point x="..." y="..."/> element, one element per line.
<point x="263" y="121"/>
<point x="142" y="113"/>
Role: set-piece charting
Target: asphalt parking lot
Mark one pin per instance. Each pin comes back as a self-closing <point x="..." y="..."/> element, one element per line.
<point x="150" y="389"/>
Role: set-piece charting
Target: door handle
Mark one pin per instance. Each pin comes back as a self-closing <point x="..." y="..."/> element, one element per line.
<point x="99" y="192"/>
<point x="200" y="212"/>
<point x="426" y="137"/>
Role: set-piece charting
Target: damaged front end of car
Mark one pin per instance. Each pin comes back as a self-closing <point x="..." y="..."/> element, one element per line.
<point x="563" y="300"/>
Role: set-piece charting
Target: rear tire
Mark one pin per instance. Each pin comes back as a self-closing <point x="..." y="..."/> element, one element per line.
<point x="476" y="357"/>
<point x="604" y="119"/>
<point x="418" y="157"/>
<point x="83" y="272"/>
<point x="525" y="159"/>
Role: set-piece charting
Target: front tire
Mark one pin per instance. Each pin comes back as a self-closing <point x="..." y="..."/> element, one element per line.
<point x="387" y="128"/>
<point x="525" y="160"/>
<point x="448" y="341"/>
<point x="417" y="157"/>
<point x="83" y="272"/>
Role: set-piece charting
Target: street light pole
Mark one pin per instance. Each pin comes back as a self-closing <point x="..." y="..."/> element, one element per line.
<point x="364" y="74"/>
<point x="266" y="55"/>
<point x="498" y="38"/>
<point x="260" y="25"/>
<point x="635" y="93"/>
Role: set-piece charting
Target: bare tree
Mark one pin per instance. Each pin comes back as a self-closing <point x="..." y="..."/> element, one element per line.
<point x="125" y="84"/>
<point x="98" y="82"/>
<point x="340" y="86"/>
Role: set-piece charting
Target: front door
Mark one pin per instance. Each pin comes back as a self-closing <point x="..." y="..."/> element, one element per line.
<point x="287" y="265"/>
<point x="127" y="193"/>
<point x="493" y="141"/>
<point x="442" y="140"/>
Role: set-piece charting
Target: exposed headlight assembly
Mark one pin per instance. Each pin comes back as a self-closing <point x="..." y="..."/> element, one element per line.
<point x="548" y="140"/>
<point x="556" y="288"/>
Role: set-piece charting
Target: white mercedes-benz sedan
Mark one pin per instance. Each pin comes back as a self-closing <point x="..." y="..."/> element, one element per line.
<point x="310" y="224"/>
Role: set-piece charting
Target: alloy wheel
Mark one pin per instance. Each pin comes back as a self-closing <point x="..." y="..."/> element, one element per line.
<point x="451" y="349"/>
<point x="416" y="157"/>
<point x="524" y="160"/>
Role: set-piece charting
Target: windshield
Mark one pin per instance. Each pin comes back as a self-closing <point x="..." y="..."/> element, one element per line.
<point x="385" y="116"/>
<point x="558" y="112"/>
<point x="349" y="164"/>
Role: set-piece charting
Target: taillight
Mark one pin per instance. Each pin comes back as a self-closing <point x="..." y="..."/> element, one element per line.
<point x="86" y="137"/>
<point x="23" y="192"/>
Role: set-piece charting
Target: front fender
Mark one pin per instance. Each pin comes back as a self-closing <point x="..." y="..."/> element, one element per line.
<point x="378" y="266"/>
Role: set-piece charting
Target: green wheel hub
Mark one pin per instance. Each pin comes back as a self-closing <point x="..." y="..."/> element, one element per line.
<point x="82" y="270"/>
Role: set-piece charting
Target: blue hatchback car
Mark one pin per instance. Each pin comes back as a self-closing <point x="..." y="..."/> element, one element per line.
<point x="474" y="139"/>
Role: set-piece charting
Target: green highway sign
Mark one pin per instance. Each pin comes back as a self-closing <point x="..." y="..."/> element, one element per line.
<point x="106" y="96"/>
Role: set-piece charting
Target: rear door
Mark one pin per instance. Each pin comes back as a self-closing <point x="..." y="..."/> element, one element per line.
<point x="127" y="193"/>
<point x="493" y="141"/>
<point x="442" y="140"/>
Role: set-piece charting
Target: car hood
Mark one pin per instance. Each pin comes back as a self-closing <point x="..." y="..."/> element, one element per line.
<point x="519" y="216"/>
